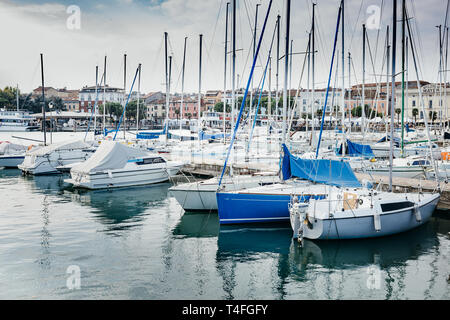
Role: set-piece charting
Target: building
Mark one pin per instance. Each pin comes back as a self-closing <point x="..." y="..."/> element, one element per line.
<point x="88" y="96"/>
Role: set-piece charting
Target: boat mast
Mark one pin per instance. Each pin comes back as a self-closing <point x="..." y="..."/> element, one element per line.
<point x="200" y="86"/>
<point x="233" y="81"/>
<point x="43" y="101"/>
<point x="167" y="84"/>
<point x="394" y="46"/>
<point x="313" y="105"/>
<point x="96" y="95"/>
<point x="388" y="66"/>
<point x="403" y="74"/>
<point x="440" y="77"/>
<point x="343" y="78"/>
<point x="363" y="113"/>
<point x="104" y="96"/>
<point x="138" y="99"/>
<point x="254" y="51"/>
<point x="124" y="93"/>
<point x="286" y="67"/>
<point x="17" y="97"/>
<point x="277" y="97"/>
<point x="182" y="86"/>
<point x="225" y="76"/>
<point x="349" y="109"/>
<point x="309" y="84"/>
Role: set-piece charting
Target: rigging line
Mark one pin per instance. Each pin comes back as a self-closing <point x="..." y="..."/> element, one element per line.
<point x="355" y="26"/>
<point x="215" y="26"/>
<point x="296" y="100"/>
<point x="245" y="95"/>
<point x="378" y="31"/>
<point x="329" y="79"/>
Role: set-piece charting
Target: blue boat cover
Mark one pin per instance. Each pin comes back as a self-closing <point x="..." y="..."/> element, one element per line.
<point x="151" y="135"/>
<point x="331" y="172"/>
<point x="357" y="150"/>
<point x="204" y="136"/>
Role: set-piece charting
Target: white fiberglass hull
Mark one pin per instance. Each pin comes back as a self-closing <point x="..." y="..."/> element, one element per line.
<point x="11" y="161"/>
<point x="398" y="214"/>
<point x="126" y="177"/>
<point x="201" y="196"/>
<point x="48" y="164"/>
<point x="413" y="172"/>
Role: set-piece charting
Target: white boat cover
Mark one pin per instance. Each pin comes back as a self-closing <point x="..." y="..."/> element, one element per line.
<point x="109" y="156"/>
<point x="61" y="146"/>
<point x="7" y="148"/>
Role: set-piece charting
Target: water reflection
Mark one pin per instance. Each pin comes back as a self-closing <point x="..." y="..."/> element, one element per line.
<point x="9" y="173"/>
<point x="197" y="225"/>
<point x="292" y="262"/>
<point x="121" y="209"/>
<point x="386" y="251"/>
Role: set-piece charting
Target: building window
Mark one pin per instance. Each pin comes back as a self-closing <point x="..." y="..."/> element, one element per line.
<point x="430" y="104"/>
<point x="414" y="103"/>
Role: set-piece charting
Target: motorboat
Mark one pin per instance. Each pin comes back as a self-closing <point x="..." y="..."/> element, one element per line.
<point x="11" y="154"/>
<point x="116" y="165"/>
<point x="47" y="159"/>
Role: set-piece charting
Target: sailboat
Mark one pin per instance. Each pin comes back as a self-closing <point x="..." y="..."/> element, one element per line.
<point x="201" y="196"/>
<point x="355" y="213"/>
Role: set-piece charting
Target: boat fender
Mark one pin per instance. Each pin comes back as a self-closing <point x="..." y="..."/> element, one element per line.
<point x="417" y="213"/>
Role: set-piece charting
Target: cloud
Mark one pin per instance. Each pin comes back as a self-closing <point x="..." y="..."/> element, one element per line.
<point x="137" y="27"/>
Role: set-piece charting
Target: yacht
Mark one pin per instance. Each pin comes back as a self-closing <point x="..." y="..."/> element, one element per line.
<point x="11" y="154"/>
<point x="46" y="160"/>
<point x="16" y="121"/>
<point x="116" y="165"/>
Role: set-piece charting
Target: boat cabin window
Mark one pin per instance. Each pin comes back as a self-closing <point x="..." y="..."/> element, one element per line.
<point x="151" y="161"/>
<point x="421" y="163"/>
<point x="387" y="207"/>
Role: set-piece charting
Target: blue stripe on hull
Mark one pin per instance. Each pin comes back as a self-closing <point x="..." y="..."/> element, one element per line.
<point x="235" y="208"/>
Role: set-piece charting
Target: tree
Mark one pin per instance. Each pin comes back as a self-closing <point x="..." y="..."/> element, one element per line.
<point x="398" y="111"/>
<point x="219" y="107"/>
<point x="415" y="113"/>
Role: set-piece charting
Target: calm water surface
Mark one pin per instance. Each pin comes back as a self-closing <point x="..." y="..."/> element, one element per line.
<point x="137" y="243"/>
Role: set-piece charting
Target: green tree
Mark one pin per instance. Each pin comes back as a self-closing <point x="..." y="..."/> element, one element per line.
<point x="398" y="111"/>
<point x="415" y="113"/>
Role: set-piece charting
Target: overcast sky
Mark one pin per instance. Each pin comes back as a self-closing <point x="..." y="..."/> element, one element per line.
<point x="136" y="27"/>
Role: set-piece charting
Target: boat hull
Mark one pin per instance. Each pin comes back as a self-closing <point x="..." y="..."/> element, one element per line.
<point x="11" y="161"/>
<point x="120" y="179"/>
<point x="363" y="227"/>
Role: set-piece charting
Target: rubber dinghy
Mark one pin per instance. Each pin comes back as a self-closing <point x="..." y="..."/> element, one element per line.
<point x="115" y="165"/>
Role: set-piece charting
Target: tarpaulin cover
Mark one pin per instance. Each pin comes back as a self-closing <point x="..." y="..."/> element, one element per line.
<point x="357" y="150"/>
<point x="204" y="136"/>
<point x="331" y="172"/>
<point x="110" y="155"/>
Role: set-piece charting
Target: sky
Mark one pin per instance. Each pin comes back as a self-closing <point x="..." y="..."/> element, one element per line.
<point x="136" y="28"/>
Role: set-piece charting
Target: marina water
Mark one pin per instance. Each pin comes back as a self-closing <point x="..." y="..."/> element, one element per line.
<point x="138" y="243"/>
